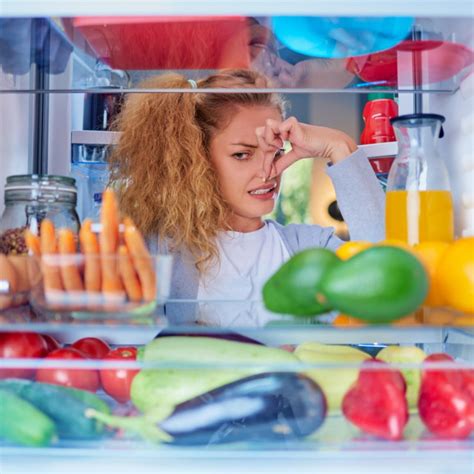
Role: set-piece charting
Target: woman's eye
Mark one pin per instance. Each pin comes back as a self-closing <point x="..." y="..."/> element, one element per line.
<point x="241" y="156"/>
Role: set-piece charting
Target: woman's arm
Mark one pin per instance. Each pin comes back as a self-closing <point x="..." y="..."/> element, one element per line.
<point x="360" y="197"/>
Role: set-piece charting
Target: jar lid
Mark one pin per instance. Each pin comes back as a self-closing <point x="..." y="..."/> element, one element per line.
<point x="41" y="182"/>
<point x="416" y="117"/>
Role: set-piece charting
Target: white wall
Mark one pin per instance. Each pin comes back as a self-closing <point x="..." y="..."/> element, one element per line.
<point x="457" y="150"/>
<point x="340" y="111"/>
<point x="16" y="111"/>
<point x="60" y="124"/>
<point x="16" y="127"/>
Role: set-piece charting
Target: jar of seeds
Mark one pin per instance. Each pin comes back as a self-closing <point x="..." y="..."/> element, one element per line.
<point x="31" y="198"/>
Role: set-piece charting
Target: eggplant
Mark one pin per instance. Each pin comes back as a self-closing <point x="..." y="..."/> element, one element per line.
<point x="264" y="407"/>
<point x="268" y="407"/>
<point x="226" y="335"/>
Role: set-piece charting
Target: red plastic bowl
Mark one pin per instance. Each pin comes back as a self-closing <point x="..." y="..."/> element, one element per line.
<point x="439" y="60"/>
<point x="142" y="43"/>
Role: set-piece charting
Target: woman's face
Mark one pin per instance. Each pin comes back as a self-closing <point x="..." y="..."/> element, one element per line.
<point x="238" y="162"/>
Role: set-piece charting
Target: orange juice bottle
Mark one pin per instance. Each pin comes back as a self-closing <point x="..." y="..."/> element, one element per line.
<point x="418" y="216"/>
<point x="419" y="204"/>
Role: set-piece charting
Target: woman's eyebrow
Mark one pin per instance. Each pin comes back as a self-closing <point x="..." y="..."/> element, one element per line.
<point x="245" y="144"/>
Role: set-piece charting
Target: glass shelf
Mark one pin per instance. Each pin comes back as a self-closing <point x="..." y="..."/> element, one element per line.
<point x="336" y="437"/>
<point x="113" y="55"/>
<point x="182" y="317"/>
<point x="439" y="458"/>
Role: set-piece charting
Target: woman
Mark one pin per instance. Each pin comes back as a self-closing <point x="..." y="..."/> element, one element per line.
<point x="198" y="171"/>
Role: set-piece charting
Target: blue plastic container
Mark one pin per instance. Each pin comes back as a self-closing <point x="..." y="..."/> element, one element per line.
<point x="336" y="37"/>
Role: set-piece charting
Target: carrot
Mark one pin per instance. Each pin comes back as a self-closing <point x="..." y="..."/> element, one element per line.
<point x="108" y="241"/>
<point x="32" y="242"/>
<point x="86" y="226"/>
<point x="129" y="276"/>
<point x="32" y="265"/>
<point x="69" y="269"/>
<point x="51" y="272"/>
<point x="109" y="219"/>
<point x="91" y="251"/>
<point x="33" y="262"/>
<point x="141" y="259"/>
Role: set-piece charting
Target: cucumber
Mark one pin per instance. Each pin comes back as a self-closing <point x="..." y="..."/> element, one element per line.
<point x="90" y="399"/>
<point x="65" y="406"/>
<point x="22" y="423"/>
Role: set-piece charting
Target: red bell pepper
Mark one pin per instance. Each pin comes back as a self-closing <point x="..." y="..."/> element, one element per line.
<point x="446" y="402"/>
<point x="376" y="403"/>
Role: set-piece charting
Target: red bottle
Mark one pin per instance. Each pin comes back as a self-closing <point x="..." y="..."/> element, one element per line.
<point x="377" y="114"/>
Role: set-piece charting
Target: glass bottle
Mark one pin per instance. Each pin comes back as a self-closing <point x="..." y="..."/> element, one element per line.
<point x="31" y="198"/>
<point x="419" y="202"/>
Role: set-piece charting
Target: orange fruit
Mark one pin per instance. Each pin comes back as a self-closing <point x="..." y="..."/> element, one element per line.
<point x="349" y="249"/>
<point x="430" y="254"/>
<point x="407" y="321"/>
<point x="455" y="275"/>
<point x="466" y="320"/>
<point x="396" y="243"/>
<point x="438" y="317"/>
<point x="342" y="320"/>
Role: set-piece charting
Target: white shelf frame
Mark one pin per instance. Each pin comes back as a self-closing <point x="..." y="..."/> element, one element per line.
<point x="92" y="137"/>
<point x="433" y="8"/>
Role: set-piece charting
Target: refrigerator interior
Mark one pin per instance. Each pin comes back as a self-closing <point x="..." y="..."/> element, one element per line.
<point x="68" y="56"/>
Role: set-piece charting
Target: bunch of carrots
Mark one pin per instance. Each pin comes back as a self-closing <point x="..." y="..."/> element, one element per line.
<point x="117" y="268"/>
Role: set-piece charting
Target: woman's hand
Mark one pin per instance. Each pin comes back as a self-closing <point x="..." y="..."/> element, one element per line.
<point x="306" y="141"/>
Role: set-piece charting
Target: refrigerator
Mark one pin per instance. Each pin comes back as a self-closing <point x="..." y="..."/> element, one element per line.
<point x="65" y="70"/>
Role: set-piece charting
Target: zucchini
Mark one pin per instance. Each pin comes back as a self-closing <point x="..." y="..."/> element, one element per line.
<point x="22" y="423"/>
<point x="185" y="349"/>
<point x="169" y="387"/>
<point x="64" y="405"/>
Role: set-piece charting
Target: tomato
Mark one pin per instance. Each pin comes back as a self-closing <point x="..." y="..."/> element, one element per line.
<point x="117" y="382"/>
<point x="92" y="347"/>
<point x="51" y="343"/>
<point x="18" y="345"/>
<point x="85" y="379"/>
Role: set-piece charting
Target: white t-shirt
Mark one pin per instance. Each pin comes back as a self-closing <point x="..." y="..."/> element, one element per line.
<point x="247" y="260"/>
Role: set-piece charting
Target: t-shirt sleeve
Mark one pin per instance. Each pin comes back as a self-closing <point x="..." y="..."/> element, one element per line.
<point x="360" y="197"/>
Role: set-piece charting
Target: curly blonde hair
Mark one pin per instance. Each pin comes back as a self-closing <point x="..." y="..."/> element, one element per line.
<point x="161" y="165"/>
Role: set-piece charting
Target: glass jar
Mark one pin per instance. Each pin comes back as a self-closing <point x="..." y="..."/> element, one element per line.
<point x="31" y="198"/>
<point x="419" y="203"/>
